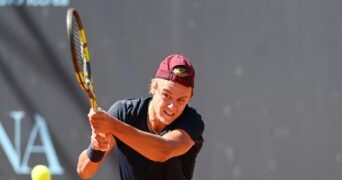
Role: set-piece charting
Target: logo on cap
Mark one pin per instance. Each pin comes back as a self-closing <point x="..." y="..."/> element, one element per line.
<point x="180" y="71"/>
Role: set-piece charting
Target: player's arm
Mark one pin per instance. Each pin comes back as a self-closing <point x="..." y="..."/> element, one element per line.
<point x="153" y="147"/>
<point x="91" y="159"/>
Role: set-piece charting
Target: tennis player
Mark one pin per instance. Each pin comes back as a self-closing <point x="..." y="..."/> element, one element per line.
<point x="157" y="137"/>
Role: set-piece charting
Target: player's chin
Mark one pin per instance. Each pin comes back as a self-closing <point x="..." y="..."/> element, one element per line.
<point x="167" y="120"/>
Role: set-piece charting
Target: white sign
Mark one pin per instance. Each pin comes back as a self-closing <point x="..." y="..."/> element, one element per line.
<point x="34" y="3"/>
<point x="12" y="150"/>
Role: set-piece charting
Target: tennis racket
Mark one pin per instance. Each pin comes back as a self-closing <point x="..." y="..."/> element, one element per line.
<point x="80" y="54"/>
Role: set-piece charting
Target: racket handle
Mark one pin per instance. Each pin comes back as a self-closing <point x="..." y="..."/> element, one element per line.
<point x="93" y="104"/>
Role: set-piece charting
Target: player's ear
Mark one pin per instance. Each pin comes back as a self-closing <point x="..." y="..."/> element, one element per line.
<point x="153" y="91"/>
<point x="153" y="86"/>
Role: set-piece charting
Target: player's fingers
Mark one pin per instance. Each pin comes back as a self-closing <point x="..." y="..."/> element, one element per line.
<point x="91" y="112"/>
<point x="103" y="144"/>
<point x="110" y="139"/>
<point x="100" y="109"/>
<point x="94" y="121"/>
<point x="96" y="128"/>
<point x="94" y="144"/>
<point x="98" y="136"/>
<point x="99" y="142"/>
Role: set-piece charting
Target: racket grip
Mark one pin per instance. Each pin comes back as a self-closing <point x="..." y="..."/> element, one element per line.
<point x="93" y="104"/>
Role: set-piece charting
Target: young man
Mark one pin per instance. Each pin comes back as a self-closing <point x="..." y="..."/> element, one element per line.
<point x="158" y="137"/>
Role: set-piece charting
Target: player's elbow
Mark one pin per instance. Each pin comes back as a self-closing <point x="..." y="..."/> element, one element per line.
<point x="81" y="173"/>
<point x="172" y="149"/>
<point x="161" y="157"/>
<point x="165" y="153"/>
<point x="85" y="169"/>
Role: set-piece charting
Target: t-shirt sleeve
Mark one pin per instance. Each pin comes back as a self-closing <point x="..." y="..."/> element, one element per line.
<point x="117" y="110"/>
<point x="191" y="122"/>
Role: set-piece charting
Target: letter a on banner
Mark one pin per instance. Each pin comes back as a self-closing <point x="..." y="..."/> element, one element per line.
<point x="39" y="130"/>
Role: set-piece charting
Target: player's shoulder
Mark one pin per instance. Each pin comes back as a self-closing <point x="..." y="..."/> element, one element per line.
<point x="191" y="122"/>
<point x="130" y="104"/>
<point x="130" y="110"/>
<point x="191" y="113"/>
<point x="133" y="102"/>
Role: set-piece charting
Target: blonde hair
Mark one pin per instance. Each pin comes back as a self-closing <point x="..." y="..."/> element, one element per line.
<point x="179" y="71"/>
<point x="154" y="86"/>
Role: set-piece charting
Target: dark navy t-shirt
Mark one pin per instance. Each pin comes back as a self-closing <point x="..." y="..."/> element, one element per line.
<point x="134" y="166"/>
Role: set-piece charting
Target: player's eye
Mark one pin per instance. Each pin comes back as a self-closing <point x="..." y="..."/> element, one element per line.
<point x="181" y="100"/>
<point x="166" y="96"/>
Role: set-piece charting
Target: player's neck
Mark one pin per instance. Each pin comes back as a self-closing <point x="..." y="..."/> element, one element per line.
<point x="151" y="118"/>
<point x="152" y="126"/>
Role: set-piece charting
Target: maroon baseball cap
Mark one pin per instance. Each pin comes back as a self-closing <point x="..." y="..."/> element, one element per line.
<point x="167" y="66"/>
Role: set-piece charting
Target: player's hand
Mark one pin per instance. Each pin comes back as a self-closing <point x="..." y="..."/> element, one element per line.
<point x="101" y="122"/>
<point x="102" y="142"/>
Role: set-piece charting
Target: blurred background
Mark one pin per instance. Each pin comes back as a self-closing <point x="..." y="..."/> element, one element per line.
<point x="268" y="82"/>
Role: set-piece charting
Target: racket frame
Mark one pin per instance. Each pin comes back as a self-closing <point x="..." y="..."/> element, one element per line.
<point x="84" y="79"/>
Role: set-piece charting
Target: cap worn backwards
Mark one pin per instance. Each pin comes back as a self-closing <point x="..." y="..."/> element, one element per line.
<point x="177" y="68"/>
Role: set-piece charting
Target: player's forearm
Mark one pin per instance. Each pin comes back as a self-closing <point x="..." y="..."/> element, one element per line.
<point x="151" y="146"/>
<point x="85" y="167"/>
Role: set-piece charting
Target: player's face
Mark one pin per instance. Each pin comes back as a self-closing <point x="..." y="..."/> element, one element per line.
<point x="169" y="100"/>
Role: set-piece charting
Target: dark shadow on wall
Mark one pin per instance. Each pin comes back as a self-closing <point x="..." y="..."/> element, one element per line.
<point x="45" y="62"/>
<point x="55" y="67"/>
<point x="31" y="110"/>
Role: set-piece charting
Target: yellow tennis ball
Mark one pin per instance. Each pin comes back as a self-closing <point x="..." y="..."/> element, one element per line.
<point x="40" y="172"/>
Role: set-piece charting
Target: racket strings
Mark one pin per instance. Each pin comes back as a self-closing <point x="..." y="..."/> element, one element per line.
<point x="81" y="54"/>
